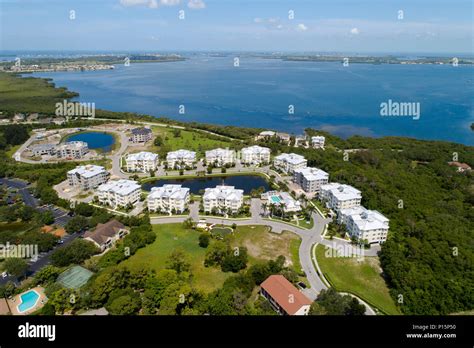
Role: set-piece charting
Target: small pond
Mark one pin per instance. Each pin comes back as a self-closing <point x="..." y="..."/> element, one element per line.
<point x="96" y="140"/>
<point x="242" y="182"/>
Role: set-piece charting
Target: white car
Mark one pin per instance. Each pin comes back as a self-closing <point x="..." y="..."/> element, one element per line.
<point x="4" y="274"/>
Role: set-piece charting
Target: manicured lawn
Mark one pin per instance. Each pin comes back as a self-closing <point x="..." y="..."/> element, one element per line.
<point x="361" y="278"/>
<point x="170" y="237"/>
<point x="189" y="140"/>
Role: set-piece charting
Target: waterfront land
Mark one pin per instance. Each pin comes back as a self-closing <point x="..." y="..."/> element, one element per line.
<point x="428" y="202"/>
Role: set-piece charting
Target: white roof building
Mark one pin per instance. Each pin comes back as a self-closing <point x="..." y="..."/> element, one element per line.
<point x="365" y="224"/>
<point x="340" y="196"/>
<point x="310" y="179"/>
<point x="168" y="198"/>
<point x="72" y="149"/>
<point x="255" y="155"/>
<point x="289" y="162"/>
<point x="141" y="162"/>
<point x="87" y="177"/>
<point x="318" y="141"/>
<point x="223" y="198"/>
<point x="119" y="193"/>
<point x="220" y="156"/>
<point x="180" y="157"/>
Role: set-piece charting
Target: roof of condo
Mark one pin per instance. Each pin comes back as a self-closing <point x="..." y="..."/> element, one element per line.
<point x="223" y="192"/>
<point x="292" y="158"/>
<point x="73" y="144"/>
<point x="141" y="130"/>
<point x="121" y="187"/>
<point x="219" y="152"/>
<point x="103" y="232"/>
<point x="313" y="173"/>
<point x="181" y="154"/>
<point x="342" y="191"/>
<point x="169" y="191"/>
<point x="142" y="156"/>
<point x="255" y="149"/>
<point x="87" y="171"/>
<point x="366" y="219"/>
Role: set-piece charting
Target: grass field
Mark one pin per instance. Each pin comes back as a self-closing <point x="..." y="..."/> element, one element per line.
<point x="261" y="244"/>
<point x="194" y="141"/>
<point x="170" y="237"/>
<point x="264" y="245"/>
<point x="360" y="278"/>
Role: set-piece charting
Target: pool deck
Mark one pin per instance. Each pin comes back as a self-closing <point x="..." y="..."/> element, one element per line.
<point x="16" y="300"/>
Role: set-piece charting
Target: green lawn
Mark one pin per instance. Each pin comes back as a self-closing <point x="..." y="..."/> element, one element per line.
<point x="360" y="278"/>
<point x="170" y="237"/>
<point x="194" y="141"/>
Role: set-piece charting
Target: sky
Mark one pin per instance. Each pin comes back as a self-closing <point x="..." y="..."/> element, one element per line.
<point x="359" y="26"/>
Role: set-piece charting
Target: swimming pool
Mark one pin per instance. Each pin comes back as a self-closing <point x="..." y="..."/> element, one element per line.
<point x="276" y="199"/>
<point x="28" y="301"/>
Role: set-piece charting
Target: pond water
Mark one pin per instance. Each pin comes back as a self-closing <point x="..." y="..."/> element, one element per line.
<point x="95" y="140"/>
<point x="242" y="182"/>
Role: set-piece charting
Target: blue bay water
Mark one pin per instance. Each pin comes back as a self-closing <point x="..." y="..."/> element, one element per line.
<point x="342" y="100"/>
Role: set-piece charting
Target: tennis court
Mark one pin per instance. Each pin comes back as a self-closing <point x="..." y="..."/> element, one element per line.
<point x="74" y="277"/>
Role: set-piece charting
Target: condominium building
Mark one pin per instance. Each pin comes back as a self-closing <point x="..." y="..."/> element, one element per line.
<point x="141" y="162"/>
<point x="289" y="162"/>
<point x="223" y="198"/>
<point x="181" y="158"/>
<point x="220" y="157"/>
<point x="141" y="135"/>
<point x="318" y="141"/>
<point x="365" y="224"/>
<point x="340" y="196"/>
<point x="104" y="236"/>
<point x="281" y="199"/>
<point x="255" y="155"/>
<point x="265" y="135"/>
<point x="310" y="179"/>
<point x="119" y="193"/>
<point x="43" y="149"/>
<point x="168" y="198"/>
<point x="72" y="149"/>
<point x="87" y="177"/>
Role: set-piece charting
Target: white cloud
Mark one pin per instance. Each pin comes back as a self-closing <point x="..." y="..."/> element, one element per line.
<point x="301" y="27"/>
<point x="355" y="31"/>
<point x="196" y="4"/>
<point x="149" y="3"/>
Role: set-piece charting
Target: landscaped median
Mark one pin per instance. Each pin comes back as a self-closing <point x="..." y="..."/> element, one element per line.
<point x="361" y="277"/>
<point x="304" y="226"/>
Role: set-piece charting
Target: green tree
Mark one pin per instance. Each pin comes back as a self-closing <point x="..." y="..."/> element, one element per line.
<point x="204" y="240"/>
<point x="15" y="266"/>
<point x="77" y="224"/>
<point x="178" y="261"/>
<point x="47" y="218"/>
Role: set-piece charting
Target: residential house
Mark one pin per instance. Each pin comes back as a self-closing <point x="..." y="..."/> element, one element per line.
<point x="318" y="141"/>
<point x="106" y="235"/>
<point x="284" y="297"/>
